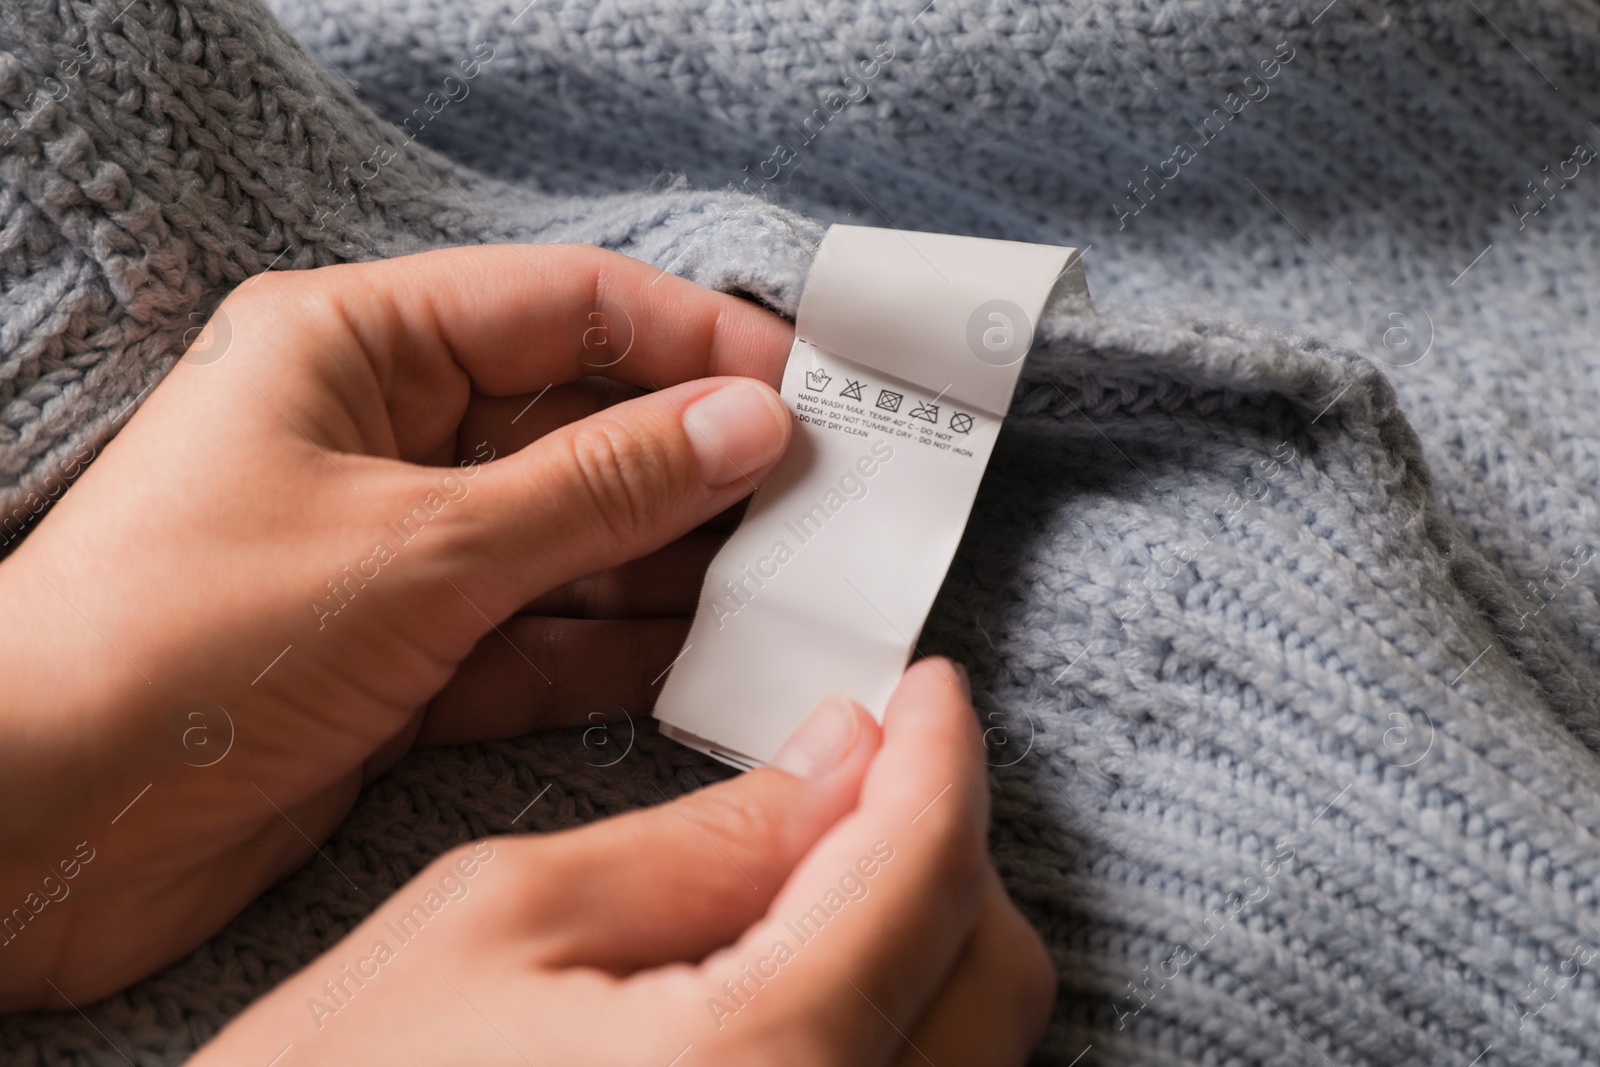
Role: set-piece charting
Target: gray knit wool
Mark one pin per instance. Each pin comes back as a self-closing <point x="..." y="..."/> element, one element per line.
<point x="1288" y="657"/>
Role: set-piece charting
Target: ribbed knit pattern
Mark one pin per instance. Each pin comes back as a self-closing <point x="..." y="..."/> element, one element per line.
<point x="1288" y="657"/>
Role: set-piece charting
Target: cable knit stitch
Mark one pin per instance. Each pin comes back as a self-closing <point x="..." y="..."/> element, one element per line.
<point x="1288" y="658"/>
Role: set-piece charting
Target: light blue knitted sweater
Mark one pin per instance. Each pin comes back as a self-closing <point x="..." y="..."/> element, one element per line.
<point x="1289" y="650"/>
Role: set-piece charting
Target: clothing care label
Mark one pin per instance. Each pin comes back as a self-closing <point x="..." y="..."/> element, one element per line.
<point x="907" y="350"/>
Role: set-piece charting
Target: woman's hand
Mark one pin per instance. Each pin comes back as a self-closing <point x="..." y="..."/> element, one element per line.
<point x="335" y="529"/>
<point x="836" y="908"/>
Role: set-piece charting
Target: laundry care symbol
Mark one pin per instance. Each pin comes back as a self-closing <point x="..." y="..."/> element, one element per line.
<point x="818" y="379"/>
<point x="889" y="400"/>
<point x="926" y="412"/>
<point x="851" y="390"/>
<point x="961" y="422"/>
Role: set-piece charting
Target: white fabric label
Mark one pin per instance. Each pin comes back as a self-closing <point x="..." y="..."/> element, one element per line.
<point x="907" y="350"/>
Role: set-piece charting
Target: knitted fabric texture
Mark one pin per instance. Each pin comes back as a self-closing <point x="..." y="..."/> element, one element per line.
<point x="1280" y="613"/>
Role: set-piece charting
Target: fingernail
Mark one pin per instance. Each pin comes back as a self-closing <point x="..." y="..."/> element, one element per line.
<point x="822" y="742"/>
<point x="735" y="430"/>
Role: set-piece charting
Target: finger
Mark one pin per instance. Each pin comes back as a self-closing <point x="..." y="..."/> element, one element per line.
<point x="534" y="673"/>
<point x="699" y="868"/>
<point x="504" y="320"/>
<point x="665" y="583"/>
<point x="723" y="523"/>
<point x="517" y="317"/>
<point x="995" y="1006"/>
<point x="612" y="487"/>
<point x="872" y="922"/>
<point x="499" y="425"/>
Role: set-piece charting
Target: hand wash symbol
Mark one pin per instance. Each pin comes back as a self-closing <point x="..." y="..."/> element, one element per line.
<point x="818" y="379"/>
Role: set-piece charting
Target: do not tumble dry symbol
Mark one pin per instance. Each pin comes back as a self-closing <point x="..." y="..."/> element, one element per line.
<point x="889" y="400"/>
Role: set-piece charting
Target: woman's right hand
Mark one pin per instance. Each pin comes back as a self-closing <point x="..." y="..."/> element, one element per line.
<point x="838" y="907"/>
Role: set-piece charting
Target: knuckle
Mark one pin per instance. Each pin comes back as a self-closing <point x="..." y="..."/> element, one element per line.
<point x="786" y="1038"/>
<point x="477" y="868"/>
<point x="736" y="820"/>
<point x="1033" y="975"/>
<point x="287" y="304"/>
<point x="258" y="289"/>
<point x="626" y="475"/>
<point x="266" y="291"/>
<point x="1016" y="966"/>
<point x="959" y="857"/>
<point x="476" y="855"/>
<point x="962" y="867"/>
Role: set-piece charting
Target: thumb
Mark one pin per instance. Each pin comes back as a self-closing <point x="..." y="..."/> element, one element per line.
<point x="621" y="483"/>
<point x="677" y="881"/>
